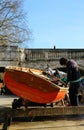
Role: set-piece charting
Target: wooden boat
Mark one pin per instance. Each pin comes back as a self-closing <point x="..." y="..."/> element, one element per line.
<point x="32" y="85"/>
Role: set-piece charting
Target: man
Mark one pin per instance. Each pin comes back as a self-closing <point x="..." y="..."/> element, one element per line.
<point x="73" y="76"/>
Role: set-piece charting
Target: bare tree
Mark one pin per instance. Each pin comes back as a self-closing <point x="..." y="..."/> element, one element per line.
<point x="13" y="27"/>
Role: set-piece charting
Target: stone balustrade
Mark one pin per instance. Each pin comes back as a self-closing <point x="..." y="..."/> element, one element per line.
<point x="37" y="58"/>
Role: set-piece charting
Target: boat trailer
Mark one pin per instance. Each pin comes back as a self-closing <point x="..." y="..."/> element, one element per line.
<point x="9" y="113"/>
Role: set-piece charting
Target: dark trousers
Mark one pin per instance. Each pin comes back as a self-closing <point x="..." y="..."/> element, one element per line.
<point x="73" y="93"/>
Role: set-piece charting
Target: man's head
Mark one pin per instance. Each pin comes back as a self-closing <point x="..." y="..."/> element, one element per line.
<point x="63" y="61"/>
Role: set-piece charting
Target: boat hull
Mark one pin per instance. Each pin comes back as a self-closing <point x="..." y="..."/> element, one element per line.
<point x="33" y="87"/>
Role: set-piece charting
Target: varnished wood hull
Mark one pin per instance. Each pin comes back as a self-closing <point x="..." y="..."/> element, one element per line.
<point x="32" y="87"/>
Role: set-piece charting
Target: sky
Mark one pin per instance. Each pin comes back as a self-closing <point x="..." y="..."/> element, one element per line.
<point x="58" y="23"/>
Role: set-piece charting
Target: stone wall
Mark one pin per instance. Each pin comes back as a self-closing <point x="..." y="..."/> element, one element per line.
<point x="37" y="58"/>
<point x="8" y="55"/>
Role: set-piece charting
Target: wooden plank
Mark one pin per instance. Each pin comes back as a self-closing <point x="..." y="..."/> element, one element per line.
<point x="30" y="112"/>
<point x="50" y="111"/>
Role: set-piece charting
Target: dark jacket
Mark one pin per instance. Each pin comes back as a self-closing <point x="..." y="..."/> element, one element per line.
<point x="73" y="72"/>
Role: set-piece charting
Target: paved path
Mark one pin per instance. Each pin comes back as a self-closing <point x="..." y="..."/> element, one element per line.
<point x="6" y="100"/>
<point x="64" y="124"/>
